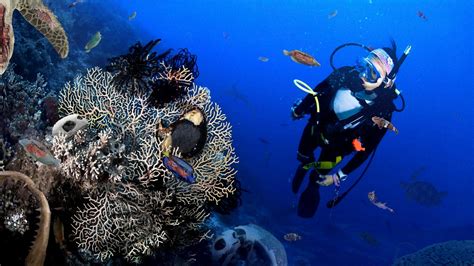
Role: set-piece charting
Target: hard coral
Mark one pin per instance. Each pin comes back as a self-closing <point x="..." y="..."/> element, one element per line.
<point x="446" y="253"/>
<point x="137" y="204"/>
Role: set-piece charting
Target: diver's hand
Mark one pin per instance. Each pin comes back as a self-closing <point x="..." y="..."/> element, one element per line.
<point x="327" y="180"/>
<point x="293" y="114"/>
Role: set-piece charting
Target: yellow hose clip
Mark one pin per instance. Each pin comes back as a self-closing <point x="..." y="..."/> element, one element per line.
<point x="306" y="88"/>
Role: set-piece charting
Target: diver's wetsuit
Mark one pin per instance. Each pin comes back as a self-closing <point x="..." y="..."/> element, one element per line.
<point x="324" y="128"/>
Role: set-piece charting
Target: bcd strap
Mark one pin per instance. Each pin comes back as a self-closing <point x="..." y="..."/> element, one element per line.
<point x="325" y="165"/>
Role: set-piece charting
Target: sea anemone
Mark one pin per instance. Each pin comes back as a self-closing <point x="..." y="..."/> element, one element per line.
<point x="133" y="70"/>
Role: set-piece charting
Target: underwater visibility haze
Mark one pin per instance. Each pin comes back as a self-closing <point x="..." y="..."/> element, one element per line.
<point x="262" y="132"/>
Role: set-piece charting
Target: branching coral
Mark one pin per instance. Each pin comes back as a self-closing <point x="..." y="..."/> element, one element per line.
<point x="125" y="220"/>
<point x="133" y="201"/>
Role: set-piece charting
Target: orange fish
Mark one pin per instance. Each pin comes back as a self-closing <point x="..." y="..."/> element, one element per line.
<point x="357" y="145"/>
<point x="383" y="123"/>
<point x="301" y="58"/>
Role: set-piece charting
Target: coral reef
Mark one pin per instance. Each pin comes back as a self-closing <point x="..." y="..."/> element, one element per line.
<point x="5" y="154"/>
<point x="173" y="77"/>
<point x="130" y="197"/>
<point x="21" y="106"/>
<point x="36" y="55"/>
<point x="160" y="78"/>
<point x="37" y="253"/>
<point x="133" y="70"/>
<point x="446" y="253"/>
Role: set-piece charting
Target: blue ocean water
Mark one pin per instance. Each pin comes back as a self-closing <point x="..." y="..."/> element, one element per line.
<point x="436" y="128"/>
<point x="230" y="38"/>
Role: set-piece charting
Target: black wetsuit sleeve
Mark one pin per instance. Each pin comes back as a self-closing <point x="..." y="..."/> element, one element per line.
<point x="308" y="103"/>
<point x="371" y="139"/>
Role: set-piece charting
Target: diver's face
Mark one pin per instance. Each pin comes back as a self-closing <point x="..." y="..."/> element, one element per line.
<point x="376" y="79"/>
<point x="378" y="65"/>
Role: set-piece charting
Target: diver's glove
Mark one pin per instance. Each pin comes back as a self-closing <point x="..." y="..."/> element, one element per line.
<point x="293" y="114"/>
<point x="327" y="180"/>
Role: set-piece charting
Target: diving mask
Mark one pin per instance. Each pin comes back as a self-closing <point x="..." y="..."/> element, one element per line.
<point x="367" y="70"/>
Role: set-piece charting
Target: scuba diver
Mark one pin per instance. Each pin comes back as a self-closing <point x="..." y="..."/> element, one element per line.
<point x="343" y="110"/>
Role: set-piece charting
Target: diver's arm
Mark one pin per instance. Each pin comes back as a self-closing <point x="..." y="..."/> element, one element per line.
<point x="307" y="105"/>
<point x="372" y="140"/>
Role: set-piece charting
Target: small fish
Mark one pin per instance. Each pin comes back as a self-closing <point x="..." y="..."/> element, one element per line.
<point x="73" y="4"/>
<point x="133" y="15"/>
<point x="291" y="237"/>
<point x="180" y="168"/>
<point x="225" y="35"/>
<point x="369" y="238"/>
<point x="264" y="141"/>
<point x="263" y="59"/>
<point x="301" y="58"/>
<point x="93" y="42"/>
<point x="332" y="14"/>
<point x="382" y="205"/>
<point x="383" y="123"/>
<point x="422" y="15"/>
<point x="38" y="152"/>
<point x="357" y="145"/>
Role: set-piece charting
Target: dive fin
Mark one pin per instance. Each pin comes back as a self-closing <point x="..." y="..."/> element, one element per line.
<point x="40" y="17"/>
<point x="309" y="200"/>
<point x="298" y="178"/>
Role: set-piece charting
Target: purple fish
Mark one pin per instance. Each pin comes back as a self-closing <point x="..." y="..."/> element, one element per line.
<point x="180" y="168"/>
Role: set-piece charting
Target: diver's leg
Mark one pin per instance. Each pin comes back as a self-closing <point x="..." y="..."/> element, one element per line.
<point x="309" y="201"/>
<point x="308" y="144"/>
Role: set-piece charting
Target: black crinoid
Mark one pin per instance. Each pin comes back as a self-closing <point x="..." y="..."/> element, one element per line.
<point x="173" y="77"/>
<point x="134" y="70"/>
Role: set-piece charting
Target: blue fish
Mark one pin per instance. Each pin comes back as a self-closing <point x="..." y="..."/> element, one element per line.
<point x="180" y="168"/>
